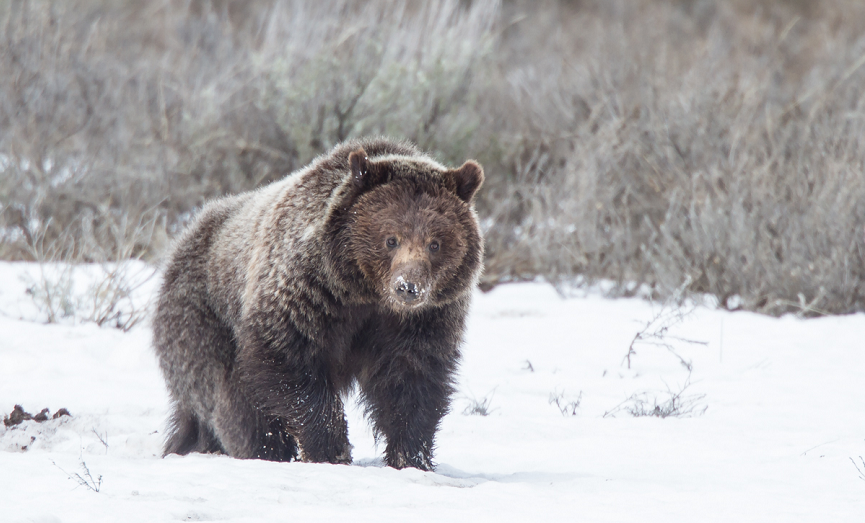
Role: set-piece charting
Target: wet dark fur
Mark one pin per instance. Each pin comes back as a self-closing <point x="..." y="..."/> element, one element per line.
<point x="276" y="302"/>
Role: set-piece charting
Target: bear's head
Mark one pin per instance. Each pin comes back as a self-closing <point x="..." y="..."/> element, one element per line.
<point x="413" y="231"/>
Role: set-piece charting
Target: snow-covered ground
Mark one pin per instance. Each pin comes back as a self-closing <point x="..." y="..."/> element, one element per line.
<point x="778" y="412"/>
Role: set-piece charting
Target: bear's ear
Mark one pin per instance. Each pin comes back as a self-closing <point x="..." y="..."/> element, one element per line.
<point x="359" y="167"/>
<point x="467" y="180"/>
<point x="364" y="174"/>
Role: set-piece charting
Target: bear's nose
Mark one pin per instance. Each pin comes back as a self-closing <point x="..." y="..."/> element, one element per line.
<point x="407" y="291"/>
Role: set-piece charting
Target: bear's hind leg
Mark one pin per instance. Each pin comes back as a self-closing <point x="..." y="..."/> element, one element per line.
<point x="187" y="434"/>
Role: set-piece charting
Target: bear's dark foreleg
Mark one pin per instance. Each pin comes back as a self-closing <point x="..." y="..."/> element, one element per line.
<point x="247" y="432"/>
<point x="408" y="380"/>
<point x="300" y="394"/>
<point x="317" y="417"/>
<point x="406" y="402"/>
<point x="312" y="412"/>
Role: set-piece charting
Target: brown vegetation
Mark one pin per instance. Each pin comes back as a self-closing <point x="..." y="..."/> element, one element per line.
<point x="708" y="142"/>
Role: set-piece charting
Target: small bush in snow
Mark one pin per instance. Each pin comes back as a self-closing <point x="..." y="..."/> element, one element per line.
<point x="566" y="407"/>
<point x="52" y="294"/>
<point x="102" y="293"/>
<point x="86" y="480"/>
<point x="110" y="298"/>
<point x="657" y="330"/>
<point x="664" y="404"/>
<point x="479" y="407"/>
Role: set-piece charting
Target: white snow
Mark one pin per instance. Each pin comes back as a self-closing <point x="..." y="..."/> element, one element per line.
<point x="784" y="399"/>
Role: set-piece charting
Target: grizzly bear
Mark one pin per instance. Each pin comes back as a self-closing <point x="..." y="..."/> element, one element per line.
<point x="354" y="271"/>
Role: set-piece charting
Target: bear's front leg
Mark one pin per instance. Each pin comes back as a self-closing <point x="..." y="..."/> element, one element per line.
<point x="286" y="380"/>
<point x="315" y="416"/>
<point x="408" y="383"/>
<point x="407" y="412"/>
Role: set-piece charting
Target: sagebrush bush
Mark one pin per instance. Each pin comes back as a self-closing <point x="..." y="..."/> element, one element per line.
<point x="652" y="141"/>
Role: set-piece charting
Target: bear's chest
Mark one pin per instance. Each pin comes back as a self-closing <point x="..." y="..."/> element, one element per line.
<point x="339" y="340"/>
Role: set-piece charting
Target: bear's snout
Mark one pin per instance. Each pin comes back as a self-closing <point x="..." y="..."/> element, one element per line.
<point x="407" y="291"/>
<point x="410" y="275"/>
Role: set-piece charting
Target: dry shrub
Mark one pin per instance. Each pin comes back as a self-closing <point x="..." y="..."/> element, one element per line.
<point x="126" y="112"/>
<point x="660" y="142"/>
<point x="670" y="403"/>
<point x="690" y="141"/>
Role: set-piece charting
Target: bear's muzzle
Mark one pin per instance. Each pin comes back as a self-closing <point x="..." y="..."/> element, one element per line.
<point x="409" y="289"/>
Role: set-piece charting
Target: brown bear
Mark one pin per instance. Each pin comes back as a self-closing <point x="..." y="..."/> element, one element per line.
<point x="357" y="269"/>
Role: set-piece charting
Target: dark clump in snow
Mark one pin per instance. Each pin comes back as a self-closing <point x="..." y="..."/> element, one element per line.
<point x="19" y="415"/>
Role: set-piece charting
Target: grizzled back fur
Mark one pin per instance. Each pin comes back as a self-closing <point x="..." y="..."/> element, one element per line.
<point x="357" y="269"/>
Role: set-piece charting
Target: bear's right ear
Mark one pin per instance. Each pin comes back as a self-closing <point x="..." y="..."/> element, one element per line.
<point x="360" y="175"/>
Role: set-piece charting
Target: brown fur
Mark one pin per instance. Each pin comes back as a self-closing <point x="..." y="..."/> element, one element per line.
<point x="356" y="269"/>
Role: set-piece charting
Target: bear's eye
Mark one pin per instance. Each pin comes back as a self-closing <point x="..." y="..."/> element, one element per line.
<point x="434" y="246"/>
<point x="391" y="242"/>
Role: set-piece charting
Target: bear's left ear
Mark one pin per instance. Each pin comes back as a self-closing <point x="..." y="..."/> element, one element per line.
<point x="466" y="180"/>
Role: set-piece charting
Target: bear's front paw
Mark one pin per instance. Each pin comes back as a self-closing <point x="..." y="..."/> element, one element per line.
<point x="335" y="456"/>
<point x="344" y="457"/>
<point x="419" y="460"/>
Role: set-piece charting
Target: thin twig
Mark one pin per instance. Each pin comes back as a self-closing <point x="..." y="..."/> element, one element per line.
<point x="87" y="480"/>
<point x="102" y="440"/>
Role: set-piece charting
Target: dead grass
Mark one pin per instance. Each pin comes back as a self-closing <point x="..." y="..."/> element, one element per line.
<point x="659" y="142"/>
<point x="662" y="404"/>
